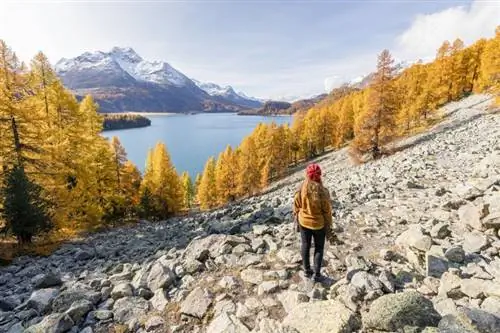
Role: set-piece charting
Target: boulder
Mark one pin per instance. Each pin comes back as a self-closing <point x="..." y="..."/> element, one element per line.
<point x="154" y="323"/>
<point x="322" y="316"/>
<point x="226" y="323"/>
<point x="440" y="230"/>
<point x="197" y="303"/>
<point x="159" y="300"/>
<point x="41" y="300"/>
<point x="79" y="309"/>
<point x="414" y="238"/>
<point x="46" y="280"/>
<point x="290" y="299"/>
<point x="470" y="216"/>
<point x="492" y="305"/>
<point x="366" y="282"/>
<point x="268" y="287"/>
<point x="470" y="321"/>
<point x="53" y="323"/>
<point x="475" y="242"/>
<point x="228" y="282"/>
<point x="160" y="276"/>
<point x="64" y="300"/>
<point x="252" y="276"/>
<point x="127" y="309"/>
<point x="123" y="289"/>
<point x="9" y="303"/>
<point x="395" y="311"/>
<point x="455" y="254"/>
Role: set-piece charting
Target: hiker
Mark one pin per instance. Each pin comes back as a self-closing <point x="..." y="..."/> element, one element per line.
<point x="313" y="213"/>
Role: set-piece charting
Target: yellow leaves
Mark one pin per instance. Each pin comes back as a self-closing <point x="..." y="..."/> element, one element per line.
<point x="207" y="190"/>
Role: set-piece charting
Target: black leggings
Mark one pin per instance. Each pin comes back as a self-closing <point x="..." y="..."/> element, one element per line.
<point x="319" y="244"/>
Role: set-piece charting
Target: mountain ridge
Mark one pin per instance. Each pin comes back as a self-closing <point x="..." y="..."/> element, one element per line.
<point x="121" y="80"/>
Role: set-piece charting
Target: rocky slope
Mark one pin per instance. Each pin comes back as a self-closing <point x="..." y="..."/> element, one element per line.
<point x="420" y="233"/>
<point x="120" y="80"/>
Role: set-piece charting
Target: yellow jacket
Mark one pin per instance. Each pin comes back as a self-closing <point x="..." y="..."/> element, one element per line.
<point x="312" y="206"/>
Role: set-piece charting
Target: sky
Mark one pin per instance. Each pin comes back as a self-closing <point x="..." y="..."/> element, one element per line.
<point x="269" y="49"/>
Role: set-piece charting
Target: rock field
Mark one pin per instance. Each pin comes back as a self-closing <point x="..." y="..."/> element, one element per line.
<point x="419" y="253"/>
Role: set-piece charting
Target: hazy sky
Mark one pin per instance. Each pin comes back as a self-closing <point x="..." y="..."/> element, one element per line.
<point x="269" y="49"/>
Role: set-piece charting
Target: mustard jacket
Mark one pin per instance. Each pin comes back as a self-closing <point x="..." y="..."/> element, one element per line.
<point x="312" y="206"/>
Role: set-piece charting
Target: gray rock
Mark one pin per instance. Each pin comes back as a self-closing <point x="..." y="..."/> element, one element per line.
<point x="41" y="300"/>
<point x="79" y="309"/>
<point x="123" y="289"/>
<point x="470" y="321"/>
<point x="475" y="242"/>
<point x="9" y="303"/>
<point x="445" y="306"/>
<point x="470" y="216"/>
<point x="128" y="308"/>
<point x="53" y="323"/>
<point x="386" y="254"/>
<point x="415" y="239"/>
<point x="474" y="288"/>
<point x="82" y="255"/>
<point x="366" y="282"/>
<point x="154" y="323"/>
<point x="226" y="305"/>
<point x="46" y="280"/>
<point x="103" y="315"/>
<point x="160" y="277"/>
<point x="252" y="276"/>
<point x="455" y="254"/>
<point x="159" y="300"/>
<point x="64" y="300"/>
<point x="492" y="221"/>
<point x="268" y="287"/>
<point x="435" y="265"/>
<point x="290" y="299"/>
<point x="227" y="323"/>
<point x="228" y="282"/>
<point x="288" y="256"/>
<point x="450" y="286"/>
<point x="322" y="316"/>
<point x="197" y="303"/>
<point x="440" y="231"/>
<point x="260" y="230"/>
<point x="395" y="311"/>
<point x="492" y="305"/>
<point x="387" y="280"/>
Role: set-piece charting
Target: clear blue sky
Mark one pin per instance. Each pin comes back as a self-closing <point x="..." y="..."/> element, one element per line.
<point x="269" y="49"/>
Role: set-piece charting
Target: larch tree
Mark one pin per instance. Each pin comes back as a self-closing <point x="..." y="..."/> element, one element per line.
<point x="226" y="170"/>
<point x="207" y="190"/>
<point x="187" y="190"/>
<point x="248" y="177"/>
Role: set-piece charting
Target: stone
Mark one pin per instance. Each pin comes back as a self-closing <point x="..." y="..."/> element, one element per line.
<point x="257" y="244"/>
<point x="252" y="276"/>
<point x="435" y="265"/>
<point x="289" y="256"/>
<point x="53" y="323"/>
<point x="455" y="254"/>
<point x="414" y="238"/>
<point x="103" y="315"/>
<point x="121" y="277"/>
<point x="475" y="242"/>
<point x="123" y="289"/>
<point x="79" y="309"/>
<point x="290" y="299"/>
<point x="366" y="281"/>
<point x="242" y="311"/>
<point x="128" y="308"/>
<point x="445" y="306"/>
<point x="228" y="282"/>
<point x="41" y="300"/>
<point x="470" y="216"/>
<point x="192" y="266"/>
<point x="160" y="277"/>
<point x="386" y="254"/>
<point x="387" y="280"/>
<point x="159" y="300"/>
<point x="268" y="287"/>
<point x="260" y="229"/>
<point x="154" y="323"/>
<point x="82" y="255"/>
<point x="470" y="321"/>
<point x="64" y="300"/>
<point x="226" y="323"/>
<point x="241" y="249"/>
<point x="395" y="311"/>
<point x="492" y="221"/>
<point x="322" y="316"/>
<point x="492" y="305"/>
<point x="450" y="285"/>
<point x="197" y="303"/>
<point x="226" y="306"/>
<point x="9" y="303"/>
<point x="473" y="288"/>
<point x="440" y="231"/>
<point x="140" y="279"/>
<point x="46" y="280"/>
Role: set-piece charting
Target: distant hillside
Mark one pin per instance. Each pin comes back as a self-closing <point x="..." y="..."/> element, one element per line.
<point x="271" y="108"/>
<point x="124" y="121"/>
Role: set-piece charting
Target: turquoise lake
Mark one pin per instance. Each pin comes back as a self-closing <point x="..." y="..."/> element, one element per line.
<point x="190" y="139"/>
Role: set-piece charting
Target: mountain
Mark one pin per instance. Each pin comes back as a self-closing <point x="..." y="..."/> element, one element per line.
<point x="227" y="93"/>
<point x="282" y="108"/>
<point x="364" y="81"/>
<point x="120" y="80"/>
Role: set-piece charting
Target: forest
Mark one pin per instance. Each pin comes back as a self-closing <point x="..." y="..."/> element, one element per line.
<point x="115" y="121"/>
<point x="59" y="176"/>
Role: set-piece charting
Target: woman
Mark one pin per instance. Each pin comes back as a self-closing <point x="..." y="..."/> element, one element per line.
<point x="313" y="210"/>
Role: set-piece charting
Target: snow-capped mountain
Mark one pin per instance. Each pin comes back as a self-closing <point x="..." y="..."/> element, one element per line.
<point x="228" y="93"/>
<point x="121" y="80"/>
<point x="363" y="81"/>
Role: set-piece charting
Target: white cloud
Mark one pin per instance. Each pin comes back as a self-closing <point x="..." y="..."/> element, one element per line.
<point x="428" y="31"/>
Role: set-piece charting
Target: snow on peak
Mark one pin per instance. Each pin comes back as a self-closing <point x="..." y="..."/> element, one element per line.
<point x="125" y="58"/>
<point x="214" y="89"/>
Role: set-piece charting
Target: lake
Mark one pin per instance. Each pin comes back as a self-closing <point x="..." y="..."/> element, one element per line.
<point x="190" y="139"/>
